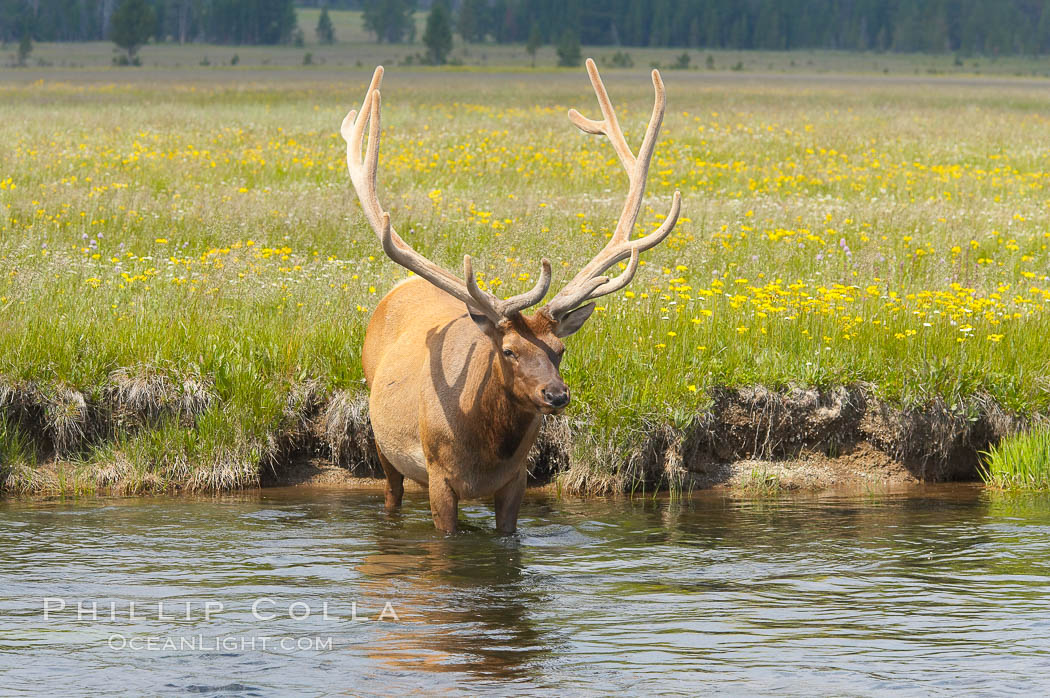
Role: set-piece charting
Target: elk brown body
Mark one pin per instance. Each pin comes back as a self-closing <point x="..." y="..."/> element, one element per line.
<point x="459" y="379"/>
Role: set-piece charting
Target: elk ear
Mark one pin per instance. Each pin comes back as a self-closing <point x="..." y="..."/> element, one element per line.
<point x="573" y="320"/>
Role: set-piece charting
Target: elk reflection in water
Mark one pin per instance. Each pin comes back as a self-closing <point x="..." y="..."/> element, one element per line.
<point x="465" y="604"/>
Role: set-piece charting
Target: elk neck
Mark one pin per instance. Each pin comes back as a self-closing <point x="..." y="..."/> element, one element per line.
<point x="507" y="421"/>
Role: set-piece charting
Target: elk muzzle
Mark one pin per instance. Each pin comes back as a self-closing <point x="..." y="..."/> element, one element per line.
<point x="556" y="396"/>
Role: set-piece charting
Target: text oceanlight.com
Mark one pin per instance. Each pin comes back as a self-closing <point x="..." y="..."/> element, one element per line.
<point x="224" y="643"/>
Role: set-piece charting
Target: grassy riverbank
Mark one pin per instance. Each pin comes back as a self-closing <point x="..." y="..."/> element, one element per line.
<point x="186" y="275"/>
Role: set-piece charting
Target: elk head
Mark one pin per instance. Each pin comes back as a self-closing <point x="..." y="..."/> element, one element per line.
<point x="528" y="347"/>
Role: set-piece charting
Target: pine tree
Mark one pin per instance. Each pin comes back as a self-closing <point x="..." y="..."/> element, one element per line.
<point x="325" y="30"/>
<point x="470" y="21"/>
<point x="569" y="49"/>
<point x="1042" y="33"/>
<point x="438" y="35"/>
<point x="712" y="27"/>
<point x="660" y="30"/>
<point x="390" y="20"/>
<point x="768" y="32"/>
<point x="131" y="26"/>
<point x="535" y="41"/>
<point x="25" y="47"/>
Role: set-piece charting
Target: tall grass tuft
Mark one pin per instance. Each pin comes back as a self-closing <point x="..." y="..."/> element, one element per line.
<point x="16" y="452"/>
<point x="1020" y="462"/>
<point x="15" y="445"/>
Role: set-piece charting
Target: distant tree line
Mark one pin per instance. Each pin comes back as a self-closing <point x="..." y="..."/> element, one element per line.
<point x="979" y="26"/>
<point x="216" y="21"/>
<point x="932" y="26"/>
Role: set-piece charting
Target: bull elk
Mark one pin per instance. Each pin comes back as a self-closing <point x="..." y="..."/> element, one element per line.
<point x="459" y="378"/>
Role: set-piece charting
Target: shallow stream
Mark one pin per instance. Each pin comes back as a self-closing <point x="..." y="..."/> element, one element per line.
<point x="280" y="591"/>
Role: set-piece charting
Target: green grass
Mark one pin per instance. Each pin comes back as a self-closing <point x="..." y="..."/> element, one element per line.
<point x="16" y="447"/>
<point x="199" y="224"/>
<point x="1019" y="462"/>
<point x="761" y="483"/>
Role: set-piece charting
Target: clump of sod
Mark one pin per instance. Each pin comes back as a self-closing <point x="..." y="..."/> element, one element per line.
<point x="1020" y="461"/>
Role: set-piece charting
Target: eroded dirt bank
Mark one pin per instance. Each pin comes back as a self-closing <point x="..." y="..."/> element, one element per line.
<point x="808" y="438"/>
<point x="748" y="438"/>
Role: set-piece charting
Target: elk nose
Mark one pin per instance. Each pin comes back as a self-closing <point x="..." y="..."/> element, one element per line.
<point x="557" y="396"/>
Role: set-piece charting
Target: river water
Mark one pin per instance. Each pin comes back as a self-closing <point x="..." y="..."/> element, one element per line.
<point x="310" y="592"/>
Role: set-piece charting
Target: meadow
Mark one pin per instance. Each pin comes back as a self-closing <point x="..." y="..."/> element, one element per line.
<point x="187" y="276"/>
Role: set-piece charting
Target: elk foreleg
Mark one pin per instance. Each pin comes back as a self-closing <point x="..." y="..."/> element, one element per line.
<point x="395" y="483"/>
<point x="444" y="504"/>
<point x="508" y="502"/>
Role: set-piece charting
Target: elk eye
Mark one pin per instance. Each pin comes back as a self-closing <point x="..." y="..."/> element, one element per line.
<point x="509" y="354"/>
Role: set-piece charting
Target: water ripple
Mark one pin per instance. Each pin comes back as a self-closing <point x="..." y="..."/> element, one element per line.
<point x="933" y="591"/>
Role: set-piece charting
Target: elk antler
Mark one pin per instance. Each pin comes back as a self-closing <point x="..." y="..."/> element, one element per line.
<point x="589" y="283"/>
<point x="363" y="176"/>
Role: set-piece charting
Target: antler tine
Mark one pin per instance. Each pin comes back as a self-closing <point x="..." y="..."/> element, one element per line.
<point x="516" y="304"/>
<point x="636" y="248"/>
<point x="609" y="126"/>
<point x="588" y="284"/>
<point x="613" y="285"/>
<point x="637" y="174"/>
<point x="657" y="236"/>
<point x="353" y="129"/>
<point x="481" y="299"/>
<point x="645" y="151"/>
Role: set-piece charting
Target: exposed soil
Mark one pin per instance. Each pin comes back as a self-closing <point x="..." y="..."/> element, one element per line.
<point x="319" y="472"/>
<point x="865" y="467"/>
